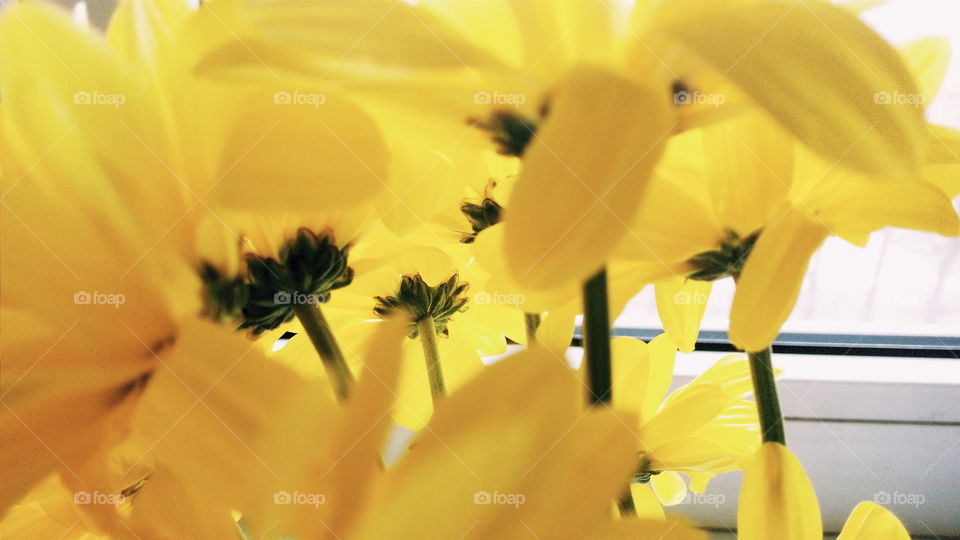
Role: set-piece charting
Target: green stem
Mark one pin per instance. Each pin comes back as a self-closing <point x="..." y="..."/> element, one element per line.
<point x="765" y="392"/>
<point x="596" y="339"/>
<point x="532" y="322"/>
<point x="321" y="335"/>
<point x="431" y="353"/>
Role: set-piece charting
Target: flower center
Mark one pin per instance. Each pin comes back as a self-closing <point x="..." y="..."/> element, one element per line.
<point x="482" y="215"/>
<point x="727" y="260"/>
<point x="310" y="266"/>
<point x="512" y="130"/>
<point x="421" y="301"/>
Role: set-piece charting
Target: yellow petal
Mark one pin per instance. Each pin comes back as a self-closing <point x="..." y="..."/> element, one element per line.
<point x="293" y="150"/>
<point x="669" y="487"/>
<point x="137" y="26"/>
<point x="457" y="456"/>
<point x="870" y="521"/>
<point x="750" y="163"/>
<point x="569" y="209"/>
<point x="731" y="372"/>
<point x="927" y="60"/>
<point x="770" y="281"/>
<point x="213" y="397"/>
<point x="680" y="304"/>
<point x="818" y="70"/>
<point x="863" y="206"/>
<point x="366" y="423"/>
<point x="690" y="412"/>
<point x="645" y="502"/>
<point x="641" y="374"/>
<point x="776" y="499"/>
<point x="351" y="34"/>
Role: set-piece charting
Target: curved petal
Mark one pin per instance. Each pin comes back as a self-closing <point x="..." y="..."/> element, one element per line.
<point x="646" y="505"/>
<point x="818" y="70"/>
<point x="776" y="498"/>
<point x="862" y="206"/>
<point x="770" y="281"/>
<point x="750" y="163"/>
<point x="680" y="304"/>
<point x="690" y="412"/>
<point x="583" y="177"/>
<point x="927" y="60"/>
<point x="669" y="487"/>
<point x="870" y="521"/>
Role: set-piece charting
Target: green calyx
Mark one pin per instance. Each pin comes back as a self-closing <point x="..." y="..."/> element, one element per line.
<point x="510" y="130"/>
<point x="482" y="215"/>
<point x="223" y="296"/>
<point x="643" y="474"/>
<point x="309" y="266"/>
<point x="727" y="260"/>
<point x="421" y="301"/>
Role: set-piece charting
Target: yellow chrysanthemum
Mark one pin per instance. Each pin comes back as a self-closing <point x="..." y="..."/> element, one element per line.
<point x="743" y="200"/>
<point x="562" y="82"/>
<point x="701" y="429"/>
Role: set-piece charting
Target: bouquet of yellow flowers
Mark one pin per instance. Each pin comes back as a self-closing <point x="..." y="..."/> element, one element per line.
<point x="276" y="269"/>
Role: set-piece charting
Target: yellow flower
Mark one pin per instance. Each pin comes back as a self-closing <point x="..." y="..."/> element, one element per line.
<point x="582" y="91"/>
<point x="486" y="464"/>
<point x="742" y="199"/>
<point x="701" y="429"/>
<point x="108" y="376"/>
<point x="778" y="501"/>
<point x="138" y="123"/>
<point x="380" y="262"/>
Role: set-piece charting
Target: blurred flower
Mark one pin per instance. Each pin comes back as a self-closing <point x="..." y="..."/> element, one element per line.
<point x="560" y="83"/>
<point x="778" y="501"/>
<point x="701" y="429"/>
<point x="485" y="465"/>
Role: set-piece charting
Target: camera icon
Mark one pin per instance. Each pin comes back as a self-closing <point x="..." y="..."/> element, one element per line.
<point x="882" y="497"/>
<point x="682" y="298"/>
<point x="282" y="98"/>
<point x="81" y="98"/>
<point x="482" y="298"/>
<point x="282" y="497"/>
<point x="82" y="497"/>
<point x="682" y="97"/>
<point x="482" y="98"/>
<point x="882" y="98"/>
<point x="482" y="497"/>
<point x="82" y="297"/>
<point x="282" y="298"/>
